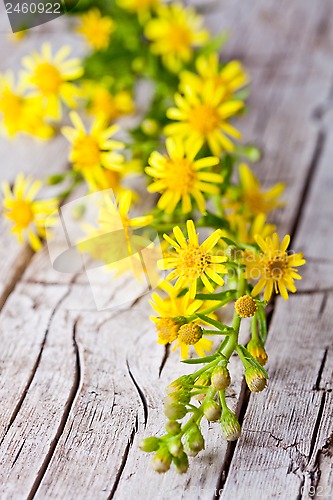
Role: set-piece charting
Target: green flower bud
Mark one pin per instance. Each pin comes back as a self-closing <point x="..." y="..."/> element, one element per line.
<point x="175" y="446"/>
<point x="220" y="378"/>
<point x="230" y="425"/>
<point x="182" y="397"/>
<point x="181" y="463"/>
<point x="175" y="411"/>
<point x="162" y="460"/>
<point x="212" y="411"/>
<point x="150" y="126"/>
<point x="255" y="379"/>
<point x="173" y="427"/>
<point x="183" y="382"/>
<point x="149" y="444"/>
<point x="193" y="441"/>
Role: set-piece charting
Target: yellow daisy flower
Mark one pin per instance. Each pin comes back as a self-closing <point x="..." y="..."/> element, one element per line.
<point x="96" y="29"/>
<point x="174" y="33"/>
<point x="50" y="77"/>
<point x="273" y="265"/>
<point x="170" y="310"/>
<point x="247" y="230"/>
<point x="253" y="198"/>
<point x="29" y="217"/>
<point x="140" y="7"/>
<point x="103" y="103"/>
<point x="21" y="113"/>
<point x="179" y="176"/>
<point x="203" y="117"/>
<point x="231" y="77"/>
<point x="192" y="261"/>
<point x="93" y="151"/>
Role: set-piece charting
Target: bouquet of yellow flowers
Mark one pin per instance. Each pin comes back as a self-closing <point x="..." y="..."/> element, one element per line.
<point x="219" y="249"/>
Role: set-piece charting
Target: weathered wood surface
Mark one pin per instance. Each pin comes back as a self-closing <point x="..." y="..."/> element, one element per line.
<point x="80" y="387"/>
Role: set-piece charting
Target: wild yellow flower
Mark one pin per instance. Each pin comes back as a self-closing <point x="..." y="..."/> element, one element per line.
<point x="50" y="77"/>
<point x="93" y="151"/>
<point x="246" y="230"/>
<point x="171" y="312"/>
<point x="29" y="217"/>
<point x="231" y="77"/>
<point x="273" y="265"/>
<point x="174" y="33"/>
<point x="140" y="7"/>
<point x="253" y="197"/>
<point x="203" y="118"/>
<point x="96" y="29"/>
<point x="192" y="261"/>
<point x="179" y="176"/>
<point x="21" y="113"/>
<point x="103" y="103"/>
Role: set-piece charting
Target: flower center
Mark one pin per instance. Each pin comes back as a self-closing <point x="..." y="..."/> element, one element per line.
<point x="256" y="202"/>
<point x="167" y="329"/>
<point x="22" y="213"/>
<point x="276" y="266"/>
<point x="86" y="152"/>
<point x="204" y="118"/>
<point x="190" y="334"/>
<point x="180" y="175"/>
<point x="246" y="306"/>
<point x="48" y="78"/>
<point x="192" y="262"/>
<point x="179" y="37"/>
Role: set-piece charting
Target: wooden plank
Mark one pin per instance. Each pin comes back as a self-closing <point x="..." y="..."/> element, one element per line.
<point x="280" y="430"/>
<point x="105" y="461"/>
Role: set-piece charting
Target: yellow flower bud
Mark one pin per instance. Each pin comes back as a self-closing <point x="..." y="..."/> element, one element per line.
<point x="255" y="379"/>
<point x="220" y="378"/>
<point x="256" y="348"/>
<point x="230" y="425"/>
<point x="190" y="333"/>
<point x="246" y="306"/>
<point x="212" y="411"/>
<point x="162" y="460"/>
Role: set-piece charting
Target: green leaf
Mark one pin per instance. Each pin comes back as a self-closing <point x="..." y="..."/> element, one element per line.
<point x="228" y="294"/>
<point x="215" y="45"/>
<point x="230" y="242"/>
<point x="211" y="220"/>
<point x="252" y="360"/>
<point x="197" y="361"/>
<point x="220" y="326"/>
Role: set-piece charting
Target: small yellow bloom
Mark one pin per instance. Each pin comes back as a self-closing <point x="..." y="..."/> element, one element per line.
<point x="255" y="200"/>
<point x="257" y="350"/>
<point x="246" y="230"/>
<point x="29" y="217"/>
<point x="50" y="77"/>
<point x="96" y="29"/>
<point x="203" y="118"/>
<point x="246" y="306"/>
<point x="273" y="265"/>
<point x="179" y="176"/>
<point x="93" y="151"/>
<point x="192" y="261"/>
<point x="231" y="77"/>
<point x="140" y="7"/>
<point x="103" y="103"/>
<point x="19" y="112"/>
<point x="174" y="33"/>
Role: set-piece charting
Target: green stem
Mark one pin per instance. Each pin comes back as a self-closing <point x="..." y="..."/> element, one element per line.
<point x="254" y="328"/>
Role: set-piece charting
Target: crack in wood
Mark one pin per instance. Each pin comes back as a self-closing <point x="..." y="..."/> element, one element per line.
<point x="69" y="404"/>
<point x="140" y="393"/>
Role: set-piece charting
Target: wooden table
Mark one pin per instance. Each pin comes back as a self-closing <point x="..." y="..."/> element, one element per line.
<point x="78" y="387"/>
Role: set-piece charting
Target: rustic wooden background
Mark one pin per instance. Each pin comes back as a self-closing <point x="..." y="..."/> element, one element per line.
<point x="78" y="388"/>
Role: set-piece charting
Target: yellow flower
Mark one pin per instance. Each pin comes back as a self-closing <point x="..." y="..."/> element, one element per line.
<point x="171" y="312"/>
<point x="140" y="7"/>
<point x="50" y="77"/>
<point x="103" y="103"/>
<point x="29" y="217"/>
<point x="192" y="261"/>
<point x="246" y="230"/>
<point x="231" y="77"/>
<point x="174" y="33"/>
<point x="273" y="265"/>
<point x="179" y="176"/>
<point x="255" y="200"/>
<point x="96" y="29"/>
<point x="203" y="118"/>
<point x="21" y="113"/>
<point x="93" y="151"/>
